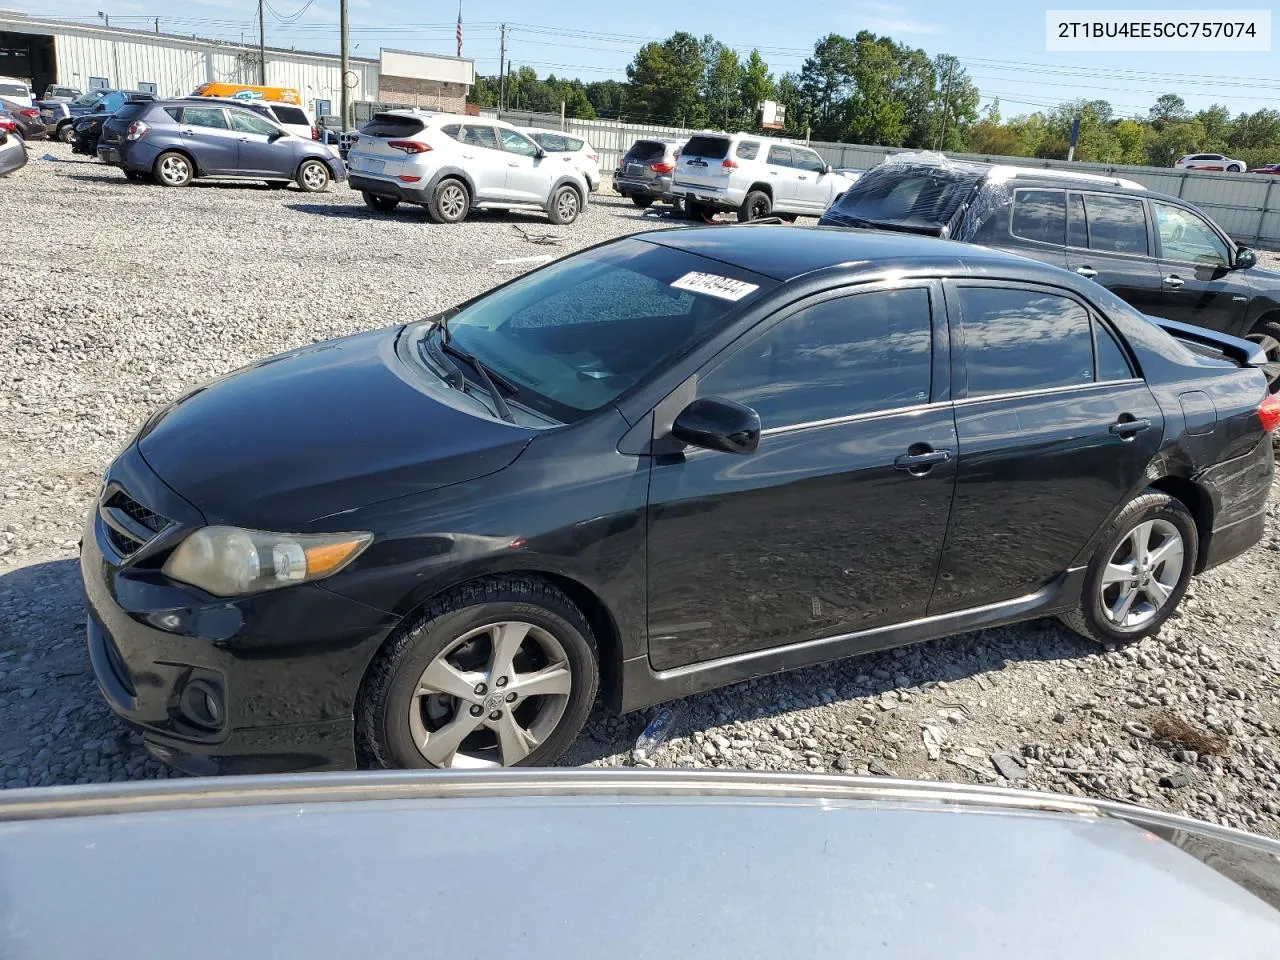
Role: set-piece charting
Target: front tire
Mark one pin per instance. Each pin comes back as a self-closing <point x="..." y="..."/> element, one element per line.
<point x="381" y="204"/>
<point x="1234" y="168"/>
<point x="173" y="169"/>
<point x="313" y="177"/>
<point x="565" y="205"/>
<point x="755" y="205"/>
<point x="1139" y="572"/>
<point x="502" y="672"/>
<point x="1267" y="335"/>
<point x="450" y="202"/>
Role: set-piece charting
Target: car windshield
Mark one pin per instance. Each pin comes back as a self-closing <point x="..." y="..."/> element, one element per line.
<point x="575" y="336"/>
<point x="13" y="90"/>
<point x="913" y="198"/>
<point x="89" y="99"/>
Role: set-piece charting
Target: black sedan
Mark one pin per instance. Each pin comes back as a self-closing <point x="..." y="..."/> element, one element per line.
<point x="667" y="463"/>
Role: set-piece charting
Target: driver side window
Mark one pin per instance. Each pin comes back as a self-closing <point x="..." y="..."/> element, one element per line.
<point x="1186" y="238"/>
<point x="513" y="142"/>
<point x="245" y="122"/>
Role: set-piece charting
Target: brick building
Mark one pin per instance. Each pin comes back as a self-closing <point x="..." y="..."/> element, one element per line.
<point x="425" y="80"/>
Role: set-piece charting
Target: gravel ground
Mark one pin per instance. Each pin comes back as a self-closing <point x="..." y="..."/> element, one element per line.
<point x="117" y="297"/>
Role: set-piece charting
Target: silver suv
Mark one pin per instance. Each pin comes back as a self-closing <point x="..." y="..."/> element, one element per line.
<point x="754" y="176"/>
<point x="453" y="164"/>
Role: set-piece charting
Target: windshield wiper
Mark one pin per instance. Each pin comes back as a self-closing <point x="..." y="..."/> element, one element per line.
<point x="490" y="380"/>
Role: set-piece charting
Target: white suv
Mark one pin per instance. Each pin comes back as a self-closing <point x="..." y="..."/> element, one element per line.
<point x="571" y="150"/>
<point x="452" y="164"/>
<point x="754" y="176"/>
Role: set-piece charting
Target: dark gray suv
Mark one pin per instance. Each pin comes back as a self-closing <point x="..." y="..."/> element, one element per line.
<point x="177" y="141"/>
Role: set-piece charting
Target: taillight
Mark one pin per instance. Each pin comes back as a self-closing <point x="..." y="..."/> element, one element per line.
<point x="408" y="146"/>
<point x="30" y="113"/>
<point x="315" y="133"/>
<point x="1269" y="412"/>
<point x="730" y="164"/>
<point x="137" y="130"/>
<point x="7" y="124"/>
<point x="662" y="167"/>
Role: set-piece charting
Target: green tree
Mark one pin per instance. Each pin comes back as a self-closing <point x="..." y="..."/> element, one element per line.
<point x="824" y="84"/>
<point x="993" y="139"/>
<point x="1174" y="140"/>
<point x="792" y="96"/>
<point x="757" y="86"/>
<point x="723" y="90"/>
<point x="485" y="92"/>
<point x="1131" y="139"/>
<point x="957" y="99"/>
<point x="1031" y="131"/>
<point x="874" y="113"/>
<point x="1216" y="121"/>
<point x="1254" y="131"/>
<point x="606" y="96"/>
<point x="666" y="82"/>
<point x="1168" y="108"/>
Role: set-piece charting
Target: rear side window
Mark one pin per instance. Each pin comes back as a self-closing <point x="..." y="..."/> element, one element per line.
<point x="1017" y="340"/>
<point x="291" y="115"/>
<point x="747" y="150"/>
<point x="451" y="130"/>
<point x="1116" y="224"/>
<point x="131" y="111"/>
<point x="856" y="354"/>
<point x="1040" y="215"/>
<point x="708" y="148"/>
<point x="573" y="144"/>
<point x="210" y="117"/>
<point x="646" y="151"/>
<point x="1113" y="364"/>
<point x="175" y="113"/>
<point x="476" y="136"/>
<point x="780" y="156"/>
<point x="551" y="142"/>
<point x="389" y="126"/>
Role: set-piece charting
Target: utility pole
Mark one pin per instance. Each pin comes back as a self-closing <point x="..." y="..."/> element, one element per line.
<point x="946" y="104"/>
<point x="157" y="24"/>
<point x="345" y="41"/>
<point x="502" y="71"/>
<point x="262" y="46"/>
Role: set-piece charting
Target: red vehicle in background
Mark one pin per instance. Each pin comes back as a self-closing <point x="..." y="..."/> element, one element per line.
<point x="1271" y="168"/>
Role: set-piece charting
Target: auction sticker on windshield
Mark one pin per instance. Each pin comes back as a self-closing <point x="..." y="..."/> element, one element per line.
<point x="714" y="286"/>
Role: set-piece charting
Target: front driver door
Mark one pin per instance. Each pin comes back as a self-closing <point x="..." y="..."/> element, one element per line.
<point x="826" y="529"/>
<point x="1199" y="285"/>
<point x="265" y="149"/>
<point x="528" y="175"/>
<point x="813" y="183"/>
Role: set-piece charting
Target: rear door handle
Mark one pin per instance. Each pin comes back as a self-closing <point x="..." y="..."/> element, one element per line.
<point x="1087" y="272"/>
<point x="1125" y="429"/>
<point x="512" y="163"/>
<point x="921" y="463"/>
<point x="1174" y="281"/>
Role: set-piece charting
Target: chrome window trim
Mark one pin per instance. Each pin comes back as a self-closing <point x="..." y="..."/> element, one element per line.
<point x="854" y="418"/>
<point x="1047" y="391"/>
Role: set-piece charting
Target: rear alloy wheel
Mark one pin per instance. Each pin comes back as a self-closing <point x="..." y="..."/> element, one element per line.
<point x="500" y="673"/>
<point x="173" y="170"/>
<point x="67" y="133"/>
<point x="642" y="200"/>
<point x="381" y="204"/>
<point x="1139" y="573"/>
<point x="754" y="206"/>
<point x="450" y="202"/>
<point x="565" y="205"/>
<point x="313" y="176"/>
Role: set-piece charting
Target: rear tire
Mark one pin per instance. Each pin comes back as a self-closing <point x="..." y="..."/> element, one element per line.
<point x="1234" y="168"/>
<point x="173" y="169"/>
<point x="1267" y="335"/>
<point x="755" y="205"/>
<point x="381" y="204"/>
<point x="454" y="643"/>
<point x="67" y="133"/>
<point x="450" y="202"/>
<point x="1139" y="572"/>
<point x="565" y="205"/>
<point x="642" y="200"/>
<point x="313" y="177"/>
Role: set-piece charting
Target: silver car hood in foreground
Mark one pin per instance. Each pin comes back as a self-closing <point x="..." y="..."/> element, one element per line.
<point x="597" y="864"/>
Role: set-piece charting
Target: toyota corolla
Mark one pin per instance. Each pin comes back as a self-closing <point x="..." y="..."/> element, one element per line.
<point x="674" y="461"/>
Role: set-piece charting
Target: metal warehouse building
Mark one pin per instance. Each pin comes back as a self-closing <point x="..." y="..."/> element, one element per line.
<point x="91" y="56"/>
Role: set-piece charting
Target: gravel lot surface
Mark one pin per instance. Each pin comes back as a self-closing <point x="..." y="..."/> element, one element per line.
<point x="117" y="297"/>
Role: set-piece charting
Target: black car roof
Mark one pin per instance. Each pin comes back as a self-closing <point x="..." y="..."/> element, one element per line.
<point x="786" y="252"/>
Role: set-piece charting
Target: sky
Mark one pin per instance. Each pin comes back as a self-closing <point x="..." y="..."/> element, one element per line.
<point x="1001" y="44"/>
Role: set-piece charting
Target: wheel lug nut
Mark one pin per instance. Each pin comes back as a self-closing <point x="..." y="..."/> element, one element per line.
<point x="481" y="689"/>
<point x="476" y="710"/>
<point x="496" y="715"/>
<point x="511" y="698"/>
<point x="502" y="681"/>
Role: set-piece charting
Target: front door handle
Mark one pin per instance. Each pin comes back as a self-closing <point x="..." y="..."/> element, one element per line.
<point x="1087" y="272"/>
<point x="918" y="464"/>
<point x="1126" y="429"/>
<point x="1174" y="281"/>
<point x="512" y="163"/>
<point x="802" y="178"/>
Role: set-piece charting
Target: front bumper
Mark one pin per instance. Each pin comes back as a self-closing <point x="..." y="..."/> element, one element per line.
<point x="264" y="683"/>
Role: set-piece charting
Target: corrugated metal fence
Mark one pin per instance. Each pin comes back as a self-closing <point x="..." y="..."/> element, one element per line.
<point x="1246" y="205"/>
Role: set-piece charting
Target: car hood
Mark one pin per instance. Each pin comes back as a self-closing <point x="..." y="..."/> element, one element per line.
<point x="1264" y="278"/>
<point x="320" y="430"/>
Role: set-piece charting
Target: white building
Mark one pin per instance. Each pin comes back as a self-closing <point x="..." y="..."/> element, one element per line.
<point x="44" y="51"/>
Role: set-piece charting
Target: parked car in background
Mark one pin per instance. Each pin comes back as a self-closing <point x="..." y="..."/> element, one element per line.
<point x="578" y="468"/>
<point x="645" y="170"/>
<point x="1157" y="252"/>
<point x="59" y="92"/>
<point x="297" y="120"/>
<point x="754" y="177"/>
<point x="26" y="119"/>
<point x="452" y="164"/>
<point x="1211" y="161"/>
<point x="1269" y="168"/>
<point x="13" y="152"/>
<point x="573" y="149"/>
<point x="178" y="141"/>
<point x="16" y="90"/>
<point x="87" y="128"/>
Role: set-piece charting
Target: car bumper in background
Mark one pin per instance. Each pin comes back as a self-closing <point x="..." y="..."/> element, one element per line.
<point x="722" y="197"/>
<point x="657" y="187"/>
<point x="382" y="187"/>
<point x="13" y="155"/>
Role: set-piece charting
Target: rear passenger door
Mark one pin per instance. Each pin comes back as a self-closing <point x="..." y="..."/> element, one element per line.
<point x="782" y="178"/>
<point x="208" y="137"/>
<point x="1055" y="429"/>
<point x="1109" y="241"/>
<point x="484" y="160"/>
<point x="1034" y="225"/>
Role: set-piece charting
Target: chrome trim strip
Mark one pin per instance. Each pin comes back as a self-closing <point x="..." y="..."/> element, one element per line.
<point x="854" y="418"/>
<point x="1048" y="391"/>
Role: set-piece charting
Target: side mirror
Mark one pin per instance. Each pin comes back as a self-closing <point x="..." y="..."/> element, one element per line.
<point x="1245" y="258"/>
<point x="826" y="168"/>
<point x="539" y="153"/>
<point x="100" y="108"/>
<point x="716" y="424"/>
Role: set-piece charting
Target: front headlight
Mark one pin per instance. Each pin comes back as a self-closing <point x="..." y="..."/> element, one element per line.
<point x="227" y="561"/>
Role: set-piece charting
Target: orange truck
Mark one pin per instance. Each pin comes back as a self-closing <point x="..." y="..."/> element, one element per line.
<point x="248" y="91"/>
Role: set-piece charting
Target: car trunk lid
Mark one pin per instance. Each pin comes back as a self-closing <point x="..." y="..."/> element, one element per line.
<point x="701" y="162"/>
<point x="372" y="153"/>
<point x="1222" y="347"/>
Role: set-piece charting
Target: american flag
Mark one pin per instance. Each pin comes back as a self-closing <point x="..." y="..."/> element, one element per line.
<point x="459" y="29"/>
